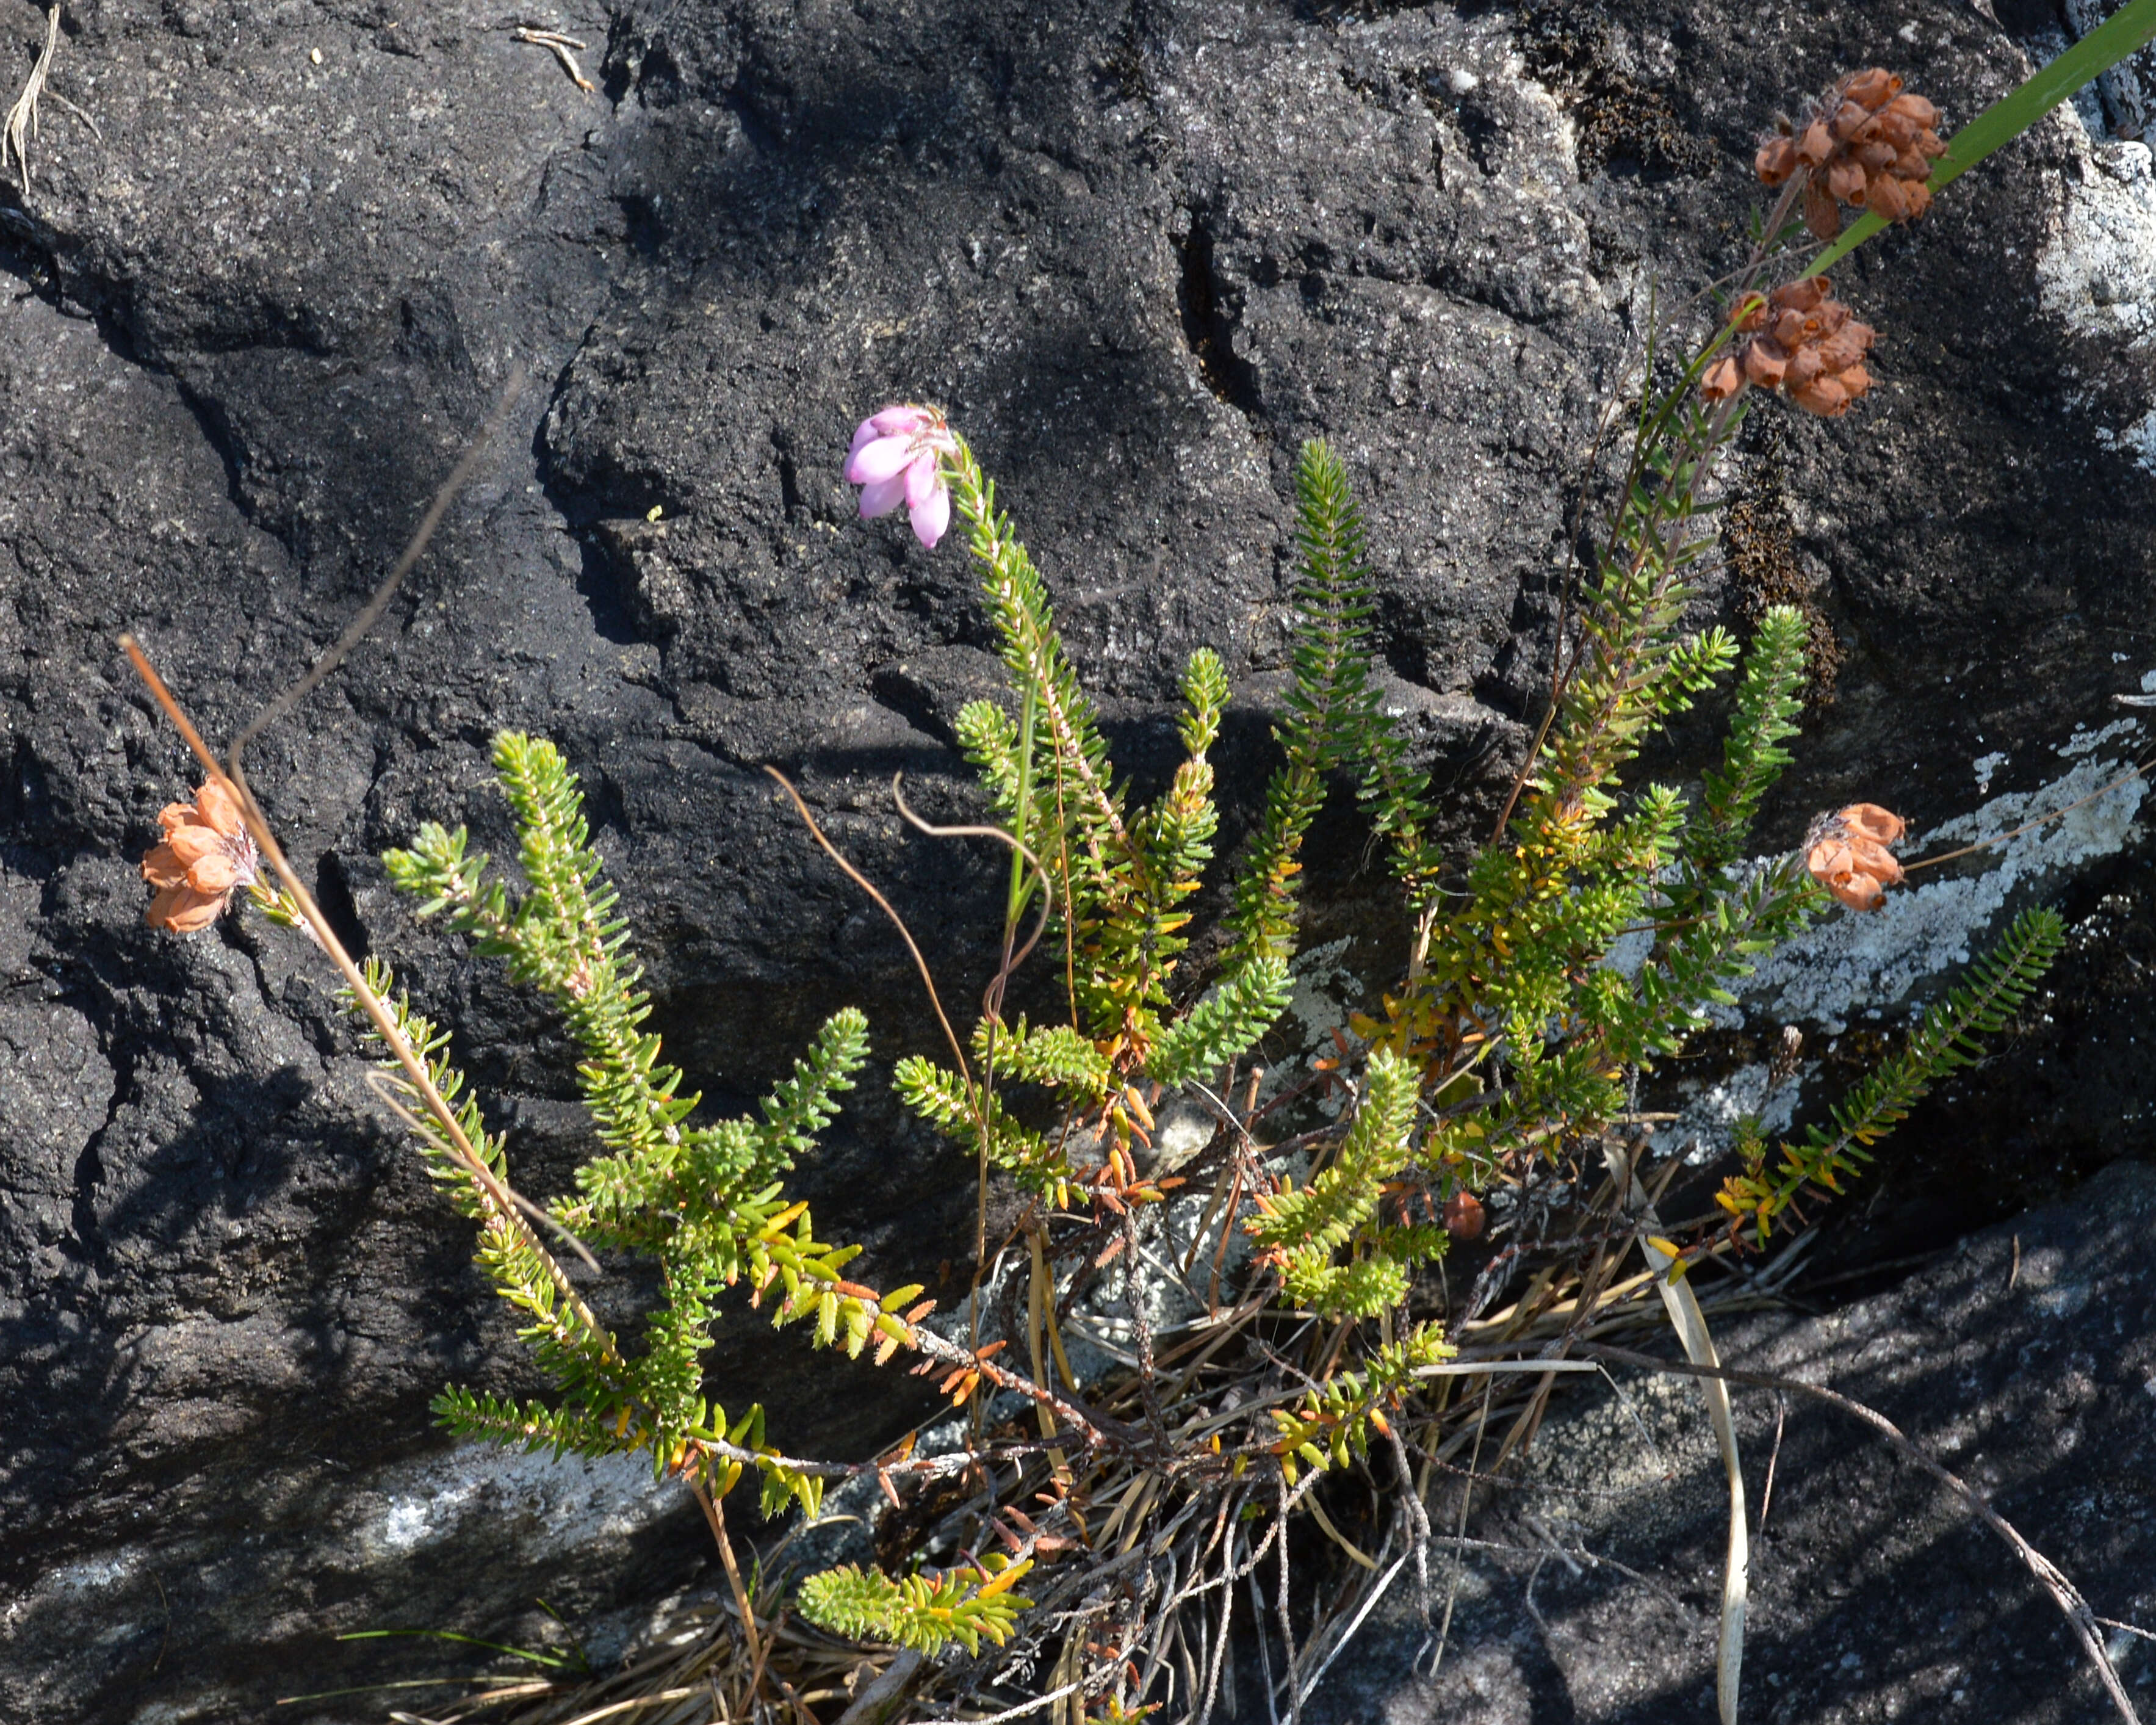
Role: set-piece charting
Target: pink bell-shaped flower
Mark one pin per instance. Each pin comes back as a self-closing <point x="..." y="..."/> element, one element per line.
<point x="897" y="457"/>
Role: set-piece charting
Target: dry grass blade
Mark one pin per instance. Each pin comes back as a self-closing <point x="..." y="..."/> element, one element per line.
<point x="2064" y="1594"/>
<point x="1347" y="1545"/>
<point x="1460" y="1531"/>
<point x="715" y="1516"/>
<point x="1673" y="1283"/>
<point x="636" y="1703"/>
<point x="1033" y="1706"/>
<point x="560" y="46"/>
<point x="1371" y="1596"/>
<point x="1690" y="1323"/>
<point x="21" y="123"/>
<point x="881" y="1698"/>
<point x="422" y="536"/>
<point x="685" y="1679"/>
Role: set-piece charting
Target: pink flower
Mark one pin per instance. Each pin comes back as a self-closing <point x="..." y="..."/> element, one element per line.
<point x="897" y="457"/>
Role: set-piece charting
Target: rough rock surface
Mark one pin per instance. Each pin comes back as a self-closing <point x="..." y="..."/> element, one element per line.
<point x="1139" y="250"/>
<point x="2022" y="1361"/>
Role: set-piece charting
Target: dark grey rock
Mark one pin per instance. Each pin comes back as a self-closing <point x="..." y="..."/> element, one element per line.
<point x="2023" y="1362"/>
<point x="1140" y="252"/>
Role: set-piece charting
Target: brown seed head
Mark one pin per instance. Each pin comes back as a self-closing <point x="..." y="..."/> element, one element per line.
<point x="1808" y="294"/>
<point x="1916" y="110"/>
<point x="1845" y="179"/>
<point x="1822" y="213"/>
<point x="1846" y="853"/>
<point x="205" y="858"/>
<point x="1799" y="339"/>
<point x="1864" y="143"/>
<point x="1825" y="397"/>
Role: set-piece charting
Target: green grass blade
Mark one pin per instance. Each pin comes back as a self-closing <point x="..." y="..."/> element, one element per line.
<point x="288" y="1701"/>
<point x="2020" y="108"/>
<point x="435" y="1635"/>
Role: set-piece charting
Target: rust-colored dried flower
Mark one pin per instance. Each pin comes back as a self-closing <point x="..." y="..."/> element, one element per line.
<point x="1866" y="143"/>
<point x="1464" y="1216"/>
<point x="1846" y="853"/>
<point x="206" y="856"/>
<point x="1800" y="340"/>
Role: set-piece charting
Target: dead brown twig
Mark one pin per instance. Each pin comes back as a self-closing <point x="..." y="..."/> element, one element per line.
<point x="231" y="774"/>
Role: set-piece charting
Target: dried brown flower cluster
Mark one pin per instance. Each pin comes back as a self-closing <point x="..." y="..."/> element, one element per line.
<point x="1867" y="144"/>
<point x="207" y="855"/>
<point x="1846" y="853"/>
<point x="1800" y="340"/>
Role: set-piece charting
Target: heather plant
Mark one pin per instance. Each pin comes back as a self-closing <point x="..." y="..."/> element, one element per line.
<point x="1550" y="971"/>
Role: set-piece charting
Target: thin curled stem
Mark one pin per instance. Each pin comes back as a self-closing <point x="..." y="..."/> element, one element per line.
<point x="883" y="904"/>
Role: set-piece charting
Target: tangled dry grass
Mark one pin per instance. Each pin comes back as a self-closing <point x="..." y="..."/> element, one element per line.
<point x="1176" y="1572"/>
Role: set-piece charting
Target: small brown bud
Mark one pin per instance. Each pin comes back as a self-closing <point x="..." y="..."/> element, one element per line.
<point x="1898" y="130"/>
<point x="1822" y="217"/>
<point x="1873" y="89"/>
<point x="1846" y="179"/>
<point x="1808" y="294"/>
<point x="1464" y="1216"/>
<point x="1880" y="825"/>
<point x="1846" y="853"/>
<point x="1887" y="197"/>
<point x="1824" y="395"/>
<point x="1839" y="355"/>
<point x="1805" y="365"/>
<point x="1915" y="108"/>
<point x="1776" y="162"/>
<point x="1764" y="363"/>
